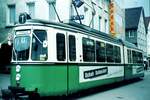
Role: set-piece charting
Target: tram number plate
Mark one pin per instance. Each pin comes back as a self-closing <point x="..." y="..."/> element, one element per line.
<point x="95" y="73"/>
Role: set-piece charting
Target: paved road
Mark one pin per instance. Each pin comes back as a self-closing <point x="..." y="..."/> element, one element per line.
<point x="139" y="90"/>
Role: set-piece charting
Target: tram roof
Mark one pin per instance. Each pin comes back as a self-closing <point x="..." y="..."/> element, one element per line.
<point x="79" y="28"/>
<point x="130" y="45"/>
<point x="74" y="27"/>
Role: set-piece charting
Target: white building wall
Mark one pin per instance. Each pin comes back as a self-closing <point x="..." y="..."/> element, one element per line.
<point x="99" y="7"/>
<point x="42" y="9"/>
<point x="148" y="41"/>
<point x="63" y="8"/>
<point x="142" y="36"/>
<point x="2" y="14"/>
<point x="101" y="10"/>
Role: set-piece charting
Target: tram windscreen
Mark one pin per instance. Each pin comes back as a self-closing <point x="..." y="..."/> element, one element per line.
<point x="21" y="47"/>
<point x="39" y="45"/>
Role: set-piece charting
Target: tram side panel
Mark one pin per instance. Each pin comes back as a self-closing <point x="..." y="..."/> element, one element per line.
<point x="86" y="75"/>
<point x="133" y="63"/>
<point x="127" y="67"/>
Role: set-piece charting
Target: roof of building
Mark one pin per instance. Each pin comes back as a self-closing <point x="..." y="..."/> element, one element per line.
<point x="132" y="16"/>
<point x="147" y="21"/>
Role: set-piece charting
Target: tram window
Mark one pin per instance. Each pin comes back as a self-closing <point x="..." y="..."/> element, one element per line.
<point x="129" y="56"/>
<point x="88" y="49"/>
<point x="39" y="51"/>
<point x="109" y="53"/>
<point x="140" y="58"/>
<point x="117" y="55"/>
<point x="134" y="56"/>
<point x="21" y="47"/>
<point x="100" y="51"/>
<point x="60" y="42"/>
<point x="72" y="48"/>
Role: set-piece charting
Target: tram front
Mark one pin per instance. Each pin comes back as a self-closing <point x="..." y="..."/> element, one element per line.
<point x="30" y="50"/>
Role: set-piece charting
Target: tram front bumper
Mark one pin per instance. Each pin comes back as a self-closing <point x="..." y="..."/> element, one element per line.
<point x="18" y="93"/>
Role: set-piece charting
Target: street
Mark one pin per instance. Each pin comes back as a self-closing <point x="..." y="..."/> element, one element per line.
<point x="139" y="90"/>
<point x="135" y="90"/>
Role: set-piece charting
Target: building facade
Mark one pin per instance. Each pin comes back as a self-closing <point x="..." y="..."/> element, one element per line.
<point x="148" y="38"/>
<point x="96" y="14"/>
<point x="49" y="9"/>
<point x="117" y="20"/>
<point x="93" y="13"/>
<point x="135" y="28"/>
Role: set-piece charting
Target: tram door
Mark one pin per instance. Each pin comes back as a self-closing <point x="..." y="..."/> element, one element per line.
<point x="61" y="58"/>
<point x="72" y="59"/>
<point x="67" y="53"/>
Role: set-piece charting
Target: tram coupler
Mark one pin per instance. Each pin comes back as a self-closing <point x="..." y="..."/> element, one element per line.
<point x="19" y="93"/>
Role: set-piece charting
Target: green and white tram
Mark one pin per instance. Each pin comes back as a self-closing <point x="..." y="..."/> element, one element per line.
<point x="53" y="59"/>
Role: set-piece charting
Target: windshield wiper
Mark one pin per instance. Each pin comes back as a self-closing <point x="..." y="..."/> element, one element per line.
<point x="15" y="53"/>
<point x="37" y="38"/>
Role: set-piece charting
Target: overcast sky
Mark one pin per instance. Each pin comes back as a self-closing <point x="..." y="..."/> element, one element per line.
<point x="135" y="3"/>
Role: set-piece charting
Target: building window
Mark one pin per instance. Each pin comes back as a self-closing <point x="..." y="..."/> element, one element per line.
<point x="86" y="14"/>
<point x="93" y="22"/>
<point x="88" y="50"/>
<point x="52" y="13"/>
<point x="131" y="33"/>
<point x="99" y="23"/>
<point x="61" y="51"/>
<point x="105" y="26"/>
<point x="72" y="48"/>
<point x="31" y="9"/>
<point x="11" y="14"/>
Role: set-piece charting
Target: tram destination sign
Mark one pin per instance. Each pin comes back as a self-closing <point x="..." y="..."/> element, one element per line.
<point x="95" y="73"/>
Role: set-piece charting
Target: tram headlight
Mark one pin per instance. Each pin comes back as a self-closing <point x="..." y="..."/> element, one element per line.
<point x="18" y="77"/>
<point x="18" y="68"/>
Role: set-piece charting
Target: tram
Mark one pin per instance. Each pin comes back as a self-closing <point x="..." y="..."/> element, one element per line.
<point x="54" y="59"/>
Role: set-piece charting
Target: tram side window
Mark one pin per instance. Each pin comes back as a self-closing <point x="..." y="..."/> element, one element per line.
<point x="140" y="58"/>
<point x="60" y="42"/>
<point x="72" y="48"/>
<point x="109" y="53"/>
<point x="39" y="45"/>
<point x="88" y="50"/>
<point x="129" y="56"/>
<point x="117" y="55"/>
<point x="134" y="56"/>
<point x="100" y="51"/>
